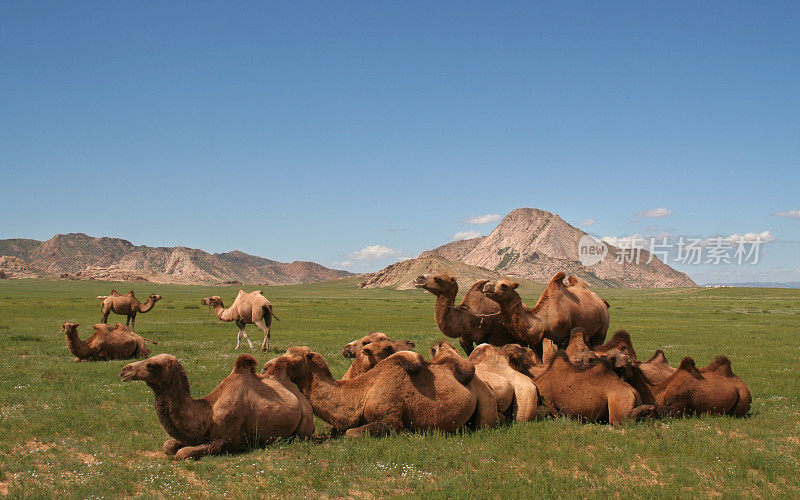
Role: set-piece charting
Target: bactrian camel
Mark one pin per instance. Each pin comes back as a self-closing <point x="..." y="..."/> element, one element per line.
<point x="247" y="309"/>
<point x="244" y="408"/>
<point x="106" y="343"/>
<point x="126" y="305"/>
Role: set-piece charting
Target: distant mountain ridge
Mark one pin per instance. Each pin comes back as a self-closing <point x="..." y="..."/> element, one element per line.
<point x="80" y="256"/>
<point x="536" y="244"/>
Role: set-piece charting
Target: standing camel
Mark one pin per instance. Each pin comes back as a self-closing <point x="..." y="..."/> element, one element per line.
<point x="247" y="309"/>
<point x="126" y="305"/>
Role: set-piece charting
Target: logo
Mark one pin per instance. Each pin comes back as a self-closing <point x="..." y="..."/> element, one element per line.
<point x="591" y="250"/>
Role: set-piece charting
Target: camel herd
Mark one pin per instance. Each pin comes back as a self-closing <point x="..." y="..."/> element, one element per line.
<point x="529" y="364"/>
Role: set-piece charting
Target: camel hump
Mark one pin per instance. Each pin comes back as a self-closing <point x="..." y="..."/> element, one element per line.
<point x="687" y="365"/>
<point x="409" y="361"/>
<point x="245" y="363"/>
<point x="658" y="357"/>
<point x="478" y="285"/>
<point x="558" y="279"/>
<point x="721" y="365"/>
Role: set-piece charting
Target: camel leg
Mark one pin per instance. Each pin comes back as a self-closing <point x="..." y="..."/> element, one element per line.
<point x="171" y="446"/>
<point x="264" y="328"/>
<point x="105" y="317"/>
<point x="132" y="317"/>
<point x="372" y="429"/>
<point x="466" y="344"/>
<point x="242" y="332"/>
<point x="213" y="448"/>
<point x="644" y="411"/>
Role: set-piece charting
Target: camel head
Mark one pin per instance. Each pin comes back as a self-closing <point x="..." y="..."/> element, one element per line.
<point x="621" y="363"/>
<point x="375" y="352"/>
<point x="298" y="363"/>
<point x="155" y="370"/>
<point x="501" y="291"/>
<point x="69" y="327"/>
<point x="520" y="358"/>
<point x="353" y="348"/>
<point x="438" y="284"/>
<point x="213" y="301"/>
<point x="155" y="297"/>
<point x="443" y="348"/>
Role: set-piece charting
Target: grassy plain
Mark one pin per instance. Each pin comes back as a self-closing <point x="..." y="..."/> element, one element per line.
<point x="75" y="430"/>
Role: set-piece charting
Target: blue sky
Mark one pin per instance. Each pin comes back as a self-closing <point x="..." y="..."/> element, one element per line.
<point x="314" y="131"/>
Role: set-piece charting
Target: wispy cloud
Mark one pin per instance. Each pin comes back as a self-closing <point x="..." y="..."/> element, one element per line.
<point x="655" y="212"/>
<point x="588" y="222"/>
<point x="481" y="219"/>
<point x="763" y="236"/>
<point x="375" y="252"/>
<point x="792" y="214"/>
<point x="466" y="235"/>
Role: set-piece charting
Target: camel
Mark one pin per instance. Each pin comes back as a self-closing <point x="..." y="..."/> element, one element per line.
<point x="705" y="390"/>
<point x="247" y="309"/>
<point x="474" y="321"/>
<point x="713" y="390"/>
<point x="126" y="305"/>
<point x="351" y="349"/>
<point x="401" y="392"/>
<point x="581" y="355"/>
<point x="244" y="407"/>
<point x="592" y="393"/>
<point x="620" y="341"/>
<point x="560" y="309"/>
<point x="373" y="353"/>
<point x="492" y="362"/>
<point x="106" y="343"/>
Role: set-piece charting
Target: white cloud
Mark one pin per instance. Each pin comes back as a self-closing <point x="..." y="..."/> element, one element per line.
<point x="374" y="252"/>
<point x="466" y="235"/>
<point x="655" y="212"/>
<point x="792" y="214"/>
<point x="588" y="222"/>
<point x="764" y="236"/>
<point x="632" y="241"/>
<point x="481" y="219"/>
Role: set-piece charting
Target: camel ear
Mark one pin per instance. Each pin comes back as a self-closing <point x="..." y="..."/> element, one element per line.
<point x="452" y="279"/>
<point x="514" y="284"/>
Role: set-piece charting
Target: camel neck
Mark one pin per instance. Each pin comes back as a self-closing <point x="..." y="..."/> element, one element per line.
<point x="143" y="308"/>
<point x="448" y="318"/>
<point x="334" y="402"/>
<point x="184" y="418"/>
<point x="220" y="311"/>
<point x="77" y="346"/>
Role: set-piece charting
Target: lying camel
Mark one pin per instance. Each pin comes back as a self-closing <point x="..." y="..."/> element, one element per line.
<point x="401" y="392"/>
<point x="560" y="309"/>
<point x="373" y="353"/>
<point x="492" y="363"/>
<point x="620" y="341"/>
<point x="581" y="355"/>
<point x="126" y="305"/>
<point x="243" y="407"/>
<point x="352" y="348"/>
<point x="247" y="309"/>
<point x="106" y="343"/>
<point x="714" y="389"/>
<point x="593" y="393"/>
<point x="465" y="322"/>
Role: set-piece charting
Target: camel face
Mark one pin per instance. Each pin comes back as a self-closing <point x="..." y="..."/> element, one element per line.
<point x="501" y="290"/>
<point x="213" y="301"/>
<point x="436" y="284"/>
<point x="69" y="327"/>
<point x="375" y="352"/>
<point x="154" y="370"/>
<point x="353" y="348"/>
<point x="155" y="297"/>
<point x="296" y="362"/>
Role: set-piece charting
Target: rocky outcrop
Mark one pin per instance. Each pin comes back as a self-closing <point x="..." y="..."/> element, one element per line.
<point x="12" y="267"/>
<point x="537" y="244"/>
<point x="402" y="274"/>
<point x="82" y="257"/>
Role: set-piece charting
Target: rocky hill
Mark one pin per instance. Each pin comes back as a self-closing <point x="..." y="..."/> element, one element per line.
<point x="79" y="256"/>
<point x="536" y="244"/>
<point x="402" y="274"/>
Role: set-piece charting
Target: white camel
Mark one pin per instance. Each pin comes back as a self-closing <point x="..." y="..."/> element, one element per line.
<point x="248" y="309"/>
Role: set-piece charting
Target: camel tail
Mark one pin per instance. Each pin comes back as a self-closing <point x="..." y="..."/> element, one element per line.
<point x="271" y="312"/>
<point x="148" y="340"/>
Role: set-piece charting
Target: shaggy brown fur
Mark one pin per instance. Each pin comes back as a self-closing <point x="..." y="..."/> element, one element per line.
<point x="464" y="322"/>
<point x="401" y="392"/>
<point x="561" y="308"/>
<point x="593" y="393"/>
<point x="126" y="305"/>
<point x="106" y="343"/>
<point x="374" y="352"/>
<point x="247" y="309"/>
<point x="243" y="407"/>
<point x="581" y="355"/>
<point x="620" y="341"/>
<point x="351" y="349"/>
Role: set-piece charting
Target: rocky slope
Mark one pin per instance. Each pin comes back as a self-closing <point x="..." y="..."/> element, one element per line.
<point x="79" y="256"/>
<point x="536" y="244"/>
<point x="402" y="274"/>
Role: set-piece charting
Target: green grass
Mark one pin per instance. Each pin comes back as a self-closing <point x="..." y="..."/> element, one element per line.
<point x="75" y="429"/>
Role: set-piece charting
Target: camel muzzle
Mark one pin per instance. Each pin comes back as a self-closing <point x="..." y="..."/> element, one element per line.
<point x="127" y="374"/>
